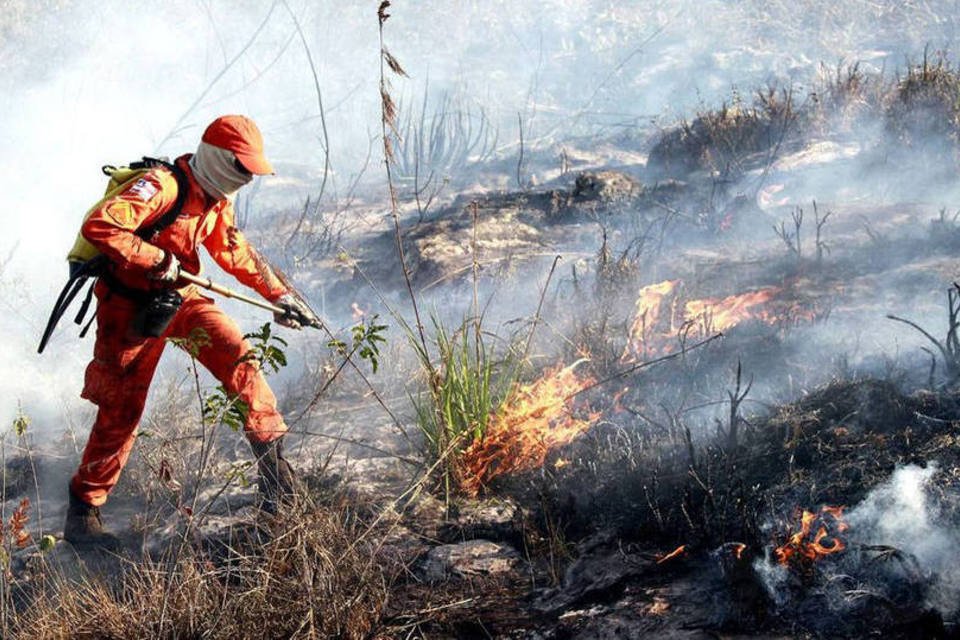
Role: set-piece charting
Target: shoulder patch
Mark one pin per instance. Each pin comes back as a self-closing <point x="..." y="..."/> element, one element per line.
<point x="143" y="189"/>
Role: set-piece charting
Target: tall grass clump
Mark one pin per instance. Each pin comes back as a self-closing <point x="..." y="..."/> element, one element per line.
<point x="721" y="140"/>
<point x="925" y="107"/>
<point x="470" y="383"/>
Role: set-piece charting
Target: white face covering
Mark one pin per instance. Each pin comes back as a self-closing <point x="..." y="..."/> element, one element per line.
<point x="214" y="169"/>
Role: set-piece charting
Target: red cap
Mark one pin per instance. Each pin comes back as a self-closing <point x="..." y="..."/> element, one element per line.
<point x="240" y="135"/>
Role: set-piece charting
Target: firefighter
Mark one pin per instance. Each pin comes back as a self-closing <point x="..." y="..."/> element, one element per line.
<point x="141" y="272"/>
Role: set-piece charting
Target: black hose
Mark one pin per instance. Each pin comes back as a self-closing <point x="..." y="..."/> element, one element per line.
<point x="78" y="277"/>
<point x="67" y="294"/>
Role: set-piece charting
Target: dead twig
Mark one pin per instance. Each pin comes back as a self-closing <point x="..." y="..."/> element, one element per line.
<point x="736" y="397"/>
<point x="949" y="348"/>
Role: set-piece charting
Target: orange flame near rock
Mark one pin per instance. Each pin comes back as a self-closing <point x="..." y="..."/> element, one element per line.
<point x="536" y="419"/>
<point x="809" y="546"/>
<point x="660" y="318"/>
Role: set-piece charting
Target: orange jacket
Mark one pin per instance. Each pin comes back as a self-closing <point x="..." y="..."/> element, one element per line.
<point x="110" y="228"/>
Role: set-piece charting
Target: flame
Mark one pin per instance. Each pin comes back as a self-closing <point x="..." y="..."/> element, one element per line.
<point x="738" y="550"/>
<point x="720" y="315"/>
<point x="661" y="319"/>
<point x="646" y="319"/>
<point x="804" y="545"/>
<point x="679" y="551"/>
<point x="658" y="607"/>
<point x="535" y="419"/>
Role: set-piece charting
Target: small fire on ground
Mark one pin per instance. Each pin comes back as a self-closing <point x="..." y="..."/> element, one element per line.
<point x="818" y="537"/>
<point x="535" y="419"/>
<point x="676" y="553"/>
<point x="662" y="318"/>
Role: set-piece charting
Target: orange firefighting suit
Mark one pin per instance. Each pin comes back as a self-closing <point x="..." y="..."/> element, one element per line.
<point x="118" y="377"/>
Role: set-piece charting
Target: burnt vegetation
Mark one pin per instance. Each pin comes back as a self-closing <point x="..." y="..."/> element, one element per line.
<point x="696" y="460"/>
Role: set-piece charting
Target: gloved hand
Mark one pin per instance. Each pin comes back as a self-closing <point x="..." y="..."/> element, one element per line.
<point x="167" y="271"/>
<point x="295" y="313"/>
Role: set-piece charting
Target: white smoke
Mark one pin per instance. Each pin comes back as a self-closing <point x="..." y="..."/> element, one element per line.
<point x="901" y="514"/>
<point x="898" y="516"/>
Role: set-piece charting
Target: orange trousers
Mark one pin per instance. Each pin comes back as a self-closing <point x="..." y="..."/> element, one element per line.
<point x="118" y="378"/>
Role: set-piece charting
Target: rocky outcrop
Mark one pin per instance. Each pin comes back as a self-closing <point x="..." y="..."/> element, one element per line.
<point x="470" y="558"/>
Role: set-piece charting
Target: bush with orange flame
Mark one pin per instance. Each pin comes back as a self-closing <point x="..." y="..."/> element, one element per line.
<point x="535" y="419"/>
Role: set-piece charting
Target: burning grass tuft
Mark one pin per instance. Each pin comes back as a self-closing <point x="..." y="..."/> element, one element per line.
<point x="534" y="420"/>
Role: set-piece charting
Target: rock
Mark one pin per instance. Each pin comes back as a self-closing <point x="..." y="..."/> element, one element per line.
<point x="471" y="558"/>
<point x="597" y="575"/>
<point x="444" y="249"/>
<point x="606" y="186"/>
<point x="818" y="152"/>
<point x="499" y="521"/>
<point x="404" y="545"/>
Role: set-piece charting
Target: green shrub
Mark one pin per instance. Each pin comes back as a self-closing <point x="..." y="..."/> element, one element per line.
<point x="466" y="387"/>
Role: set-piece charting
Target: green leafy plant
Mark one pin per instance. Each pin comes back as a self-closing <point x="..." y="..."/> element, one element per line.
<point x="197" y="339"/>
<point x="237" y="472"/>
<point x="366" y="340"/>
<point x="265" y="349"/>
<point x="47" y="543"/>
<point x="221" y="407"/>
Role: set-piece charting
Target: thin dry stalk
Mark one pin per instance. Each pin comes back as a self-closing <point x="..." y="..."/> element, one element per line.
<point x="388" y="123"/>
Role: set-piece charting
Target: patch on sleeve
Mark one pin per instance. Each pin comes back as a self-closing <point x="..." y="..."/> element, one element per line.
<point x="120" y="212"/>
<point x="143" y="189"/>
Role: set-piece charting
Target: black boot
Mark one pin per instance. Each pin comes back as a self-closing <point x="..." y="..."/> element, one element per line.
<point x="278" y="484"/>
<point x="84" y="527"/>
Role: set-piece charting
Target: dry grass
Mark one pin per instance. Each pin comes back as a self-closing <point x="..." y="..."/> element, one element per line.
<point x="308" y="578"/>
<point x="924" y="109"/>
<point x="918" y="110"/>
<point x="846" y="97"/>
<point x="721" y="140"/>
